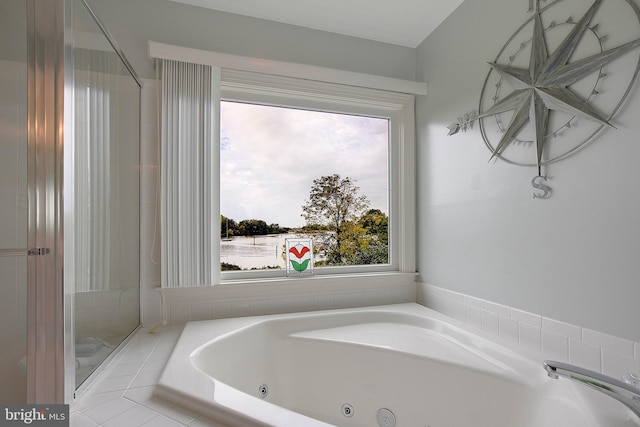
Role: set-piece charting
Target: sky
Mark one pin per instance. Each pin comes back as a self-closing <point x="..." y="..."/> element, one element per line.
<point x="269" y="157"/>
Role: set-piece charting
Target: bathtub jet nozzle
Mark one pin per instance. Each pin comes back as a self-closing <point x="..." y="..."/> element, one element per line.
<point x="622" y="392"/>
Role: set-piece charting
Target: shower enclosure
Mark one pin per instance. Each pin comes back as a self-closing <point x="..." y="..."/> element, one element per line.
<point x="69" y="198"/>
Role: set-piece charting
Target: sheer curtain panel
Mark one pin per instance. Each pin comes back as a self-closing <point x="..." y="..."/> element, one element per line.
<point x="95" y="203"/>
<point x="189" y="164"/>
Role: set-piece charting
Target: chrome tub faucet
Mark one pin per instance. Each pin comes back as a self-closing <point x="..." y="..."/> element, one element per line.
<point x="623" y="392"/>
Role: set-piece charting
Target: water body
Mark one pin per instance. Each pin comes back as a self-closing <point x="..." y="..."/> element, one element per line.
<point x="255" y="251"/>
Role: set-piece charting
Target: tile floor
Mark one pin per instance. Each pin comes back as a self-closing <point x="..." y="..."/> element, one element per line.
<point x="122" y="394"/>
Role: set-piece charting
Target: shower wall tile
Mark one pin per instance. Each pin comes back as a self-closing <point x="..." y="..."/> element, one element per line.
<point x="549" y="338"/>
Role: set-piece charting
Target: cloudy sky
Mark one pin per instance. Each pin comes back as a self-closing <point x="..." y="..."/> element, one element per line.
<point x="270" y="157"/>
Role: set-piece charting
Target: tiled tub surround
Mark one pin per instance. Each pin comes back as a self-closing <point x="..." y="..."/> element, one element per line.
<point x="555" y="340"/>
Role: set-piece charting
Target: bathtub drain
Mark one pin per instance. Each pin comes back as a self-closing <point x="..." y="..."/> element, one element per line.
<point x="263" y="390"/>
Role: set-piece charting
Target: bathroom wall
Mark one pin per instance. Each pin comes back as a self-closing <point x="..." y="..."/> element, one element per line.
<point x="137" y="22"/>
<point x="572" y="257"/>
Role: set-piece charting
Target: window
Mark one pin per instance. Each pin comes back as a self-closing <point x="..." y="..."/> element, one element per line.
<point x="280" y="137"/>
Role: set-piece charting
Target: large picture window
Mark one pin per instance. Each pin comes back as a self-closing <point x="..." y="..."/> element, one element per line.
<point x="292" y="173"/>
<point x="306" y="159"/>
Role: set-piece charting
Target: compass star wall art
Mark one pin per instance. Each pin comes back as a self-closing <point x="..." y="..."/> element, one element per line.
<point x="558" y="82"/>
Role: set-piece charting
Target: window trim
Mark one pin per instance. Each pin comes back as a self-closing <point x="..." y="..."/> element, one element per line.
<point x="259" y="88"/>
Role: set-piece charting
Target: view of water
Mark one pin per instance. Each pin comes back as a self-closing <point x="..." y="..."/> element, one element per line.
<point x="255" y="251"/>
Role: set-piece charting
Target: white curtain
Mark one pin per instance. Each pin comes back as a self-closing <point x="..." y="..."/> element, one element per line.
<point x="189" y="164"/>
<point x="93" y="151"/>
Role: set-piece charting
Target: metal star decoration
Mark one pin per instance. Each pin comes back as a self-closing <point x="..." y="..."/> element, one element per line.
<point x="544" y="86"/>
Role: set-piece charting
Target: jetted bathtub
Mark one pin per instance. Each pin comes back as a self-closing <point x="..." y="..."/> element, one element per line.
<point x="397" y="365"/>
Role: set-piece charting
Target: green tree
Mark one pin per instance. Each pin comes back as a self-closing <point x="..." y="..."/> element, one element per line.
<point x="252" y="227"/>
<point x="228" y="226"/>
<point x="334" y="200"/>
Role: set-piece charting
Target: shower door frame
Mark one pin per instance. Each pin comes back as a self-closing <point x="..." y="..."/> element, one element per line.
<point x="46" y="112"/>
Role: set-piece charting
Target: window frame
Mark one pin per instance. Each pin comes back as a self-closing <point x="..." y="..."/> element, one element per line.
<point x="398" y="108"/>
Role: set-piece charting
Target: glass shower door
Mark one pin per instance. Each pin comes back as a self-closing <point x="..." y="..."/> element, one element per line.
<point x="14" y="201"/>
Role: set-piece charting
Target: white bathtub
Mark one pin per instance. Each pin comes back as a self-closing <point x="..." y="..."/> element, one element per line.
<point x="341" y="367"/>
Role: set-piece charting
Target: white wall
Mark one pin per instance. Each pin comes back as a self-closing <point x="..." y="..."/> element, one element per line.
<point x="573" y="257"/>
<point x="133" y="23"/>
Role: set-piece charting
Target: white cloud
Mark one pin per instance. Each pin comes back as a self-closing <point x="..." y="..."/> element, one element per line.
<point x="270" y="157"/>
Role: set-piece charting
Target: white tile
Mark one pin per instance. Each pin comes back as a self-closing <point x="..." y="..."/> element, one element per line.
<point x="144" y="396"/>
<point x="585" y="355"/>
<point x="474" y="316"/>
<point x="130" y="358"/>
<point x="162" y="421"/>
<point x="79" y="420"/>
<point x="220" y="310"/>
<point x="145" y="379"/>
<point x="136" y="416"/>
<point x="292" y="304"/>
<point x="105" y="411"/>
<point x="526" y="317"/>
<point x="201" y="310"/>
<point x="258" y="307"/>
<point x="530" y="336"/>
<point x="240" y="308"/>
<point x="491" y="322"/>
<point x="275" y="305"/>
<point x="123" y="369"/>
<point x="152" y="366"/>
<point x="460" y="311"/>
<point x="616" y="365"/>
<point x="499" y="309"/>
<point x="609" y="342"/>
<point x="113" y="384"/>
<point x="179" y="312"/>
<point x="509" y="329"/>
<point x="90" y="400"/>
<point x="456" y="296"/>
<point x="442" y="305"/>
<point x="555" y="346"/>
<point x="473" y="301"/>
<point x="325" y="302"/>
<point x="562" y="328"/>
<point x="310" y="302"/>
<point x="205" y="422"/>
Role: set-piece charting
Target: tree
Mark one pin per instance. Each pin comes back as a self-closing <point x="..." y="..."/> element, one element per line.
<point x="252" y="227"/>
<point x="334" y="200"/>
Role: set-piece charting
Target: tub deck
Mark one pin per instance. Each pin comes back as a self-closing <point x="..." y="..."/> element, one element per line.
<point x="304" y="369"/>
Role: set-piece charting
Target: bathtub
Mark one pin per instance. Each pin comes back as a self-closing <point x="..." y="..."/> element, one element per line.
<point x="397" y="365"/>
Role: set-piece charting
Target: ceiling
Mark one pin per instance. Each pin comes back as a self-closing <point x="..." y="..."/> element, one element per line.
<point x="401" y="22"/>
